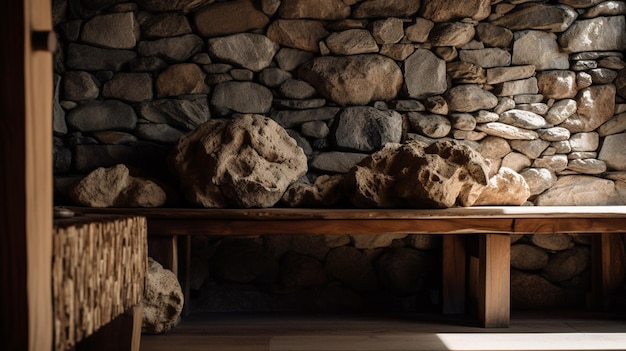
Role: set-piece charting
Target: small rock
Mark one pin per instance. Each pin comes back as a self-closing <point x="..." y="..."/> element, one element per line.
<point x="162" y="300"/>
<point x="114" y="187"/>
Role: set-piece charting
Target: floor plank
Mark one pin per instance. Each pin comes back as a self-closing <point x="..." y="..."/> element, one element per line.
<point x="272" y="332"/>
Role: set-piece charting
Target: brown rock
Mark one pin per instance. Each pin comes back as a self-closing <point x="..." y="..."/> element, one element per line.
<point x="168" y="5"/>
<point x="351" y="42"/>
<point x="553" y="242"/>
<point x="354" y="80"/>
<point x="352" y="267"/>
<point x="116" y="31"/>
<point x="301" y="271"/>
<point x="451" y="34"/>
<point x="538" y="16"/>
<point x="297" y="34"/>
<point x="114" y="187"/>
<point x="446" y="10"/>
<point x="466" y="72"/>
<point x="494" y="36"/>
<point x="557" y="84"/>
<point x="323" y="9"/>
<point x="505" y="188"/>
<point x="414" y="175"/>
<point x="166" y="25"/>
<point x="469" y="98"/>
<point x="528" y="257"/>
<point x="596" y="105"/>
<point x="217" y="19"/>
<point x="404" y="271"/>
<point x="246" y="162"/>
<point x="132" y="87"/>
<point x="531" y="291"/>
<point x="162" y="300"/>
<point x="326" y="191"/>
<point x="181" y="79"/>
<point x="385" y="8"/>
<point x="565" y="265"/>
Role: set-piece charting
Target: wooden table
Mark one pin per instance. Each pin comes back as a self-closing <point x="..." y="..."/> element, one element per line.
<point x="481" y="258"/>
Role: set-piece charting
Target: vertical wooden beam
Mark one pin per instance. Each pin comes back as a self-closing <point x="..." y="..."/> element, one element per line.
<point x="39" y="217"/>
<point x="13" y="267"/>
<point x="494" y="281"/>
<point x="164" y="249"/>
<point x="453" y="274"/>
<point x="608" y="268"/>
<point x="184" y="268"/>
<point x="25" y="177"/>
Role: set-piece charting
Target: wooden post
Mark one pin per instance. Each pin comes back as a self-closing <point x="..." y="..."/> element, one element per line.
<point x="608" y="266"/>
<point x="494" y="280"/>
<point x="25" y="176"/>
<point x="164" y="249"/>
<point x="453" y="274"/>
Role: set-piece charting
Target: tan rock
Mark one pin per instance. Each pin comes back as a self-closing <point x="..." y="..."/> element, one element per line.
<point x="451" y="34"/>
<point x="351" y="42"/>
<point x="354" y="80"/>
<point x="596" y="105"/>
<point x="114" y="187"/>
<point x="326" y="191"/>
<point x="506" y="188"/>
<point x="443" y="174"/>
<point x="558" y="84"/>
<point x="469" y="98"/>
<point x="245" y="162"/>
<point x="162" y="300"/>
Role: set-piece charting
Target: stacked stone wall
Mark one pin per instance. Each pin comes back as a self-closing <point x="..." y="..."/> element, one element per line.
<point x="537" y="87"/>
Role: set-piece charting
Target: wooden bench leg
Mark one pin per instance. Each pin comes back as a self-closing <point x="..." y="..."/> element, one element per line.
<point x="453" y="274"/>
<point x="164" y="249"/>
<point x="123" y="333"/>
<point x="494" y="280"/>
<point x="608" y="269"/>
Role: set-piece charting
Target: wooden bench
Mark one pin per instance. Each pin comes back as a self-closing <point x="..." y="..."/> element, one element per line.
<point x="476" y="241"/>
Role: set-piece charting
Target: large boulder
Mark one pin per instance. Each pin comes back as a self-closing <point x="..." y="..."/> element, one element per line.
<point x="507" y="187"/>
<point x="115" y="187"/>
<point x="246" y="162"/>
<point x="417" y="175"/>
<point x="354" y="80"/>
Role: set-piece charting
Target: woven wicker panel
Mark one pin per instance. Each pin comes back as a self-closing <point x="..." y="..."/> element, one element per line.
<point x="98" y="272"/>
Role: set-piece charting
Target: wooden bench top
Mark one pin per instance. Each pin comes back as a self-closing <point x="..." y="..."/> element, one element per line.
<point x="466" y="220"/>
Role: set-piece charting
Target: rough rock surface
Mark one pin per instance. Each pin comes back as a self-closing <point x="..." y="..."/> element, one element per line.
<point x="415" y="175"/>
<point x="114" y="187"/>
<point x="354" y="80"/>
<point x="246" y="162"/>
<point x="162" y="300"/>
<point x="326" y="191"/>
<point x="505" y="188"/>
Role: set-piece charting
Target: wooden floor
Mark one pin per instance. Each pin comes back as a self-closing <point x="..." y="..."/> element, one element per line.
<point x="257" y="332"/>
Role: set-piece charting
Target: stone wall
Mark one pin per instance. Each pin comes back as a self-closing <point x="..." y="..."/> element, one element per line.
<point x="538" y="87"/>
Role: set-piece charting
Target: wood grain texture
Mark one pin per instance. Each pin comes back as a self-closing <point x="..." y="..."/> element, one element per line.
<point x="608" y="268"/>
<point x="39" y="97"/>
<point x="494" y="280"/>
<point x="26" y="181"/>
<point x="99" y="269"/>
<point x="13" y="258"/>
<point x="453" y="274"/>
